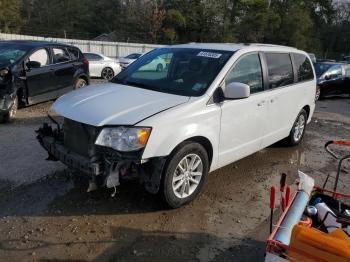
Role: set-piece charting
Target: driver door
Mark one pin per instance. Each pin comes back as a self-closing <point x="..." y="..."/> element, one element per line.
<point x="39" y="80"/>
<point x="242" y="120"/>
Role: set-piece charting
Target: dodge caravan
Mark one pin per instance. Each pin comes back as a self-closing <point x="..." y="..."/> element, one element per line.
<point x="212" y="105"/>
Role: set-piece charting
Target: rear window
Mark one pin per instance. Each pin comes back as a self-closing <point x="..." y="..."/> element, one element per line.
<point x="303" y="67"/>
<point x="280" y="69"/>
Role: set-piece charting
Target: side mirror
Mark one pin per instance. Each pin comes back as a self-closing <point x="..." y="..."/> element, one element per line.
<point x="236" y="90"/>
<point x="33" y="64"/>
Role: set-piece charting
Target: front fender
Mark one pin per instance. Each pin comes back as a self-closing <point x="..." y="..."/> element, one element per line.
<point x="170" y="128"/>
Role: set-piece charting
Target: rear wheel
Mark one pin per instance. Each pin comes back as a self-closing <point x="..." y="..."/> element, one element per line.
<point x="79" y="83"/>
<point x="298" y="129"/>
<point x="185" y="174"/>
<point x="11" y="114"/>
<point x="107" y="73"/>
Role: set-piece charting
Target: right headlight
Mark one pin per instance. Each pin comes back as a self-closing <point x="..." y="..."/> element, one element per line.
<point x="124" y="138"/>
<point x="3" y="73"/>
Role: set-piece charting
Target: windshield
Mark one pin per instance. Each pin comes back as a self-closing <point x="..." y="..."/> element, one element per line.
<point x="11" y="53"/>
<point x="180" y="71"/>
<point x="320" y="68"/>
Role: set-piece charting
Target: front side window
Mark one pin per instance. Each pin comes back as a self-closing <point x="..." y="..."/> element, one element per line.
<point x="303" y="67"/>
<point x="181" y="71"/>
<point x="334" y="71"/>
<point x="280" y="70"/>
<point x="40" y="56"/>
<point x="60" y="55"/>
<point x="248" y="71"/>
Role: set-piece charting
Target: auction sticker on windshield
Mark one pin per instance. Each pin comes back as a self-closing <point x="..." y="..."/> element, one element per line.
<point x="209" y="54"/>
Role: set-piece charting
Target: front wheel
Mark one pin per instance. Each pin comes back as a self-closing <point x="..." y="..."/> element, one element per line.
<point x="298" y="129"/>
<point x="185" y="174"/>
<point x="318" y="93"/>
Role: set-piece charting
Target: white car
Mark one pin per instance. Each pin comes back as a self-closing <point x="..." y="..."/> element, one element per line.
<point x="157" y="64"/>
<point x="102" y="66"/>
<point x="125" y="61"/>
<point x="214" y="104"/>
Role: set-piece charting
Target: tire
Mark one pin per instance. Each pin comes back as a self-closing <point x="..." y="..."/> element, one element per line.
<point x="159" y="68"/>
<point x="318" y="93"/>
<point x="181" y="187"/>
<point x="79" y="83"/>
<point x="107" y="73"/>
<point x="11" y="114"/>
<point x="298" y="129"/>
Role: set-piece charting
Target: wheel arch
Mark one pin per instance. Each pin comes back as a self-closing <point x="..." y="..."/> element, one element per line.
<point x="203" y="141"/>
<point x="307" y="109"/>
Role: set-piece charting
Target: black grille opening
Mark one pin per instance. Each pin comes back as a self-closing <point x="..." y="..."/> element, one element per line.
<point x="79" y="137"/>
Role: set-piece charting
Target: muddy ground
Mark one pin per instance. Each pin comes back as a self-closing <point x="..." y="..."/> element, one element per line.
<point x="46" y="214"/>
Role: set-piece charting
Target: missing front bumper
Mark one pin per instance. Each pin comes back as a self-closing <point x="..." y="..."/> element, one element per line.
<point x="104" y="163"/>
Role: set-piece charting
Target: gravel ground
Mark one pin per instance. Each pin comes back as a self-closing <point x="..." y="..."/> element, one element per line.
<point x="46" y="214"/>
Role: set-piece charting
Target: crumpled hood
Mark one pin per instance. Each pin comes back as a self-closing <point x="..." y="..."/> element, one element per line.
<point x="114" y="104"/>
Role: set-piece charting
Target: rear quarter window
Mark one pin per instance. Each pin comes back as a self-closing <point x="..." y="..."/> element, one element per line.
<point x="74" y="53"/>
<point x="280" y="69"/>
<point x="303" y="68"/>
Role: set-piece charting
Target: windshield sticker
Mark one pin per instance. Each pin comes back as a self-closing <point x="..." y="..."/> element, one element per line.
<point x="209" y="54"/>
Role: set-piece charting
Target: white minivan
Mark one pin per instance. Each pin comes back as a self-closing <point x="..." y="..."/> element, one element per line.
<point x="211" y="105"/>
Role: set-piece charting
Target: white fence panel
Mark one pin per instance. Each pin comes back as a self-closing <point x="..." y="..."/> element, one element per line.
<point x="112" y="49"/>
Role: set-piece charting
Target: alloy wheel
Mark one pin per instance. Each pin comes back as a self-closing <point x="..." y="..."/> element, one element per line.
<point x="318" y="93"/>
<point x="187" y="175"/>
<point x="107" y="73"/>
<point x="299" y="128"/>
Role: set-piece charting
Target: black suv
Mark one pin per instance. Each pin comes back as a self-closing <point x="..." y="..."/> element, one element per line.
<point x="33" y="72"/>
<point x="332" y="79"/>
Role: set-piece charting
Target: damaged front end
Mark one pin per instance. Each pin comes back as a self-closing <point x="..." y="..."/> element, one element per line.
<point x="74" y="144"/>
<point x="8" y="91"/>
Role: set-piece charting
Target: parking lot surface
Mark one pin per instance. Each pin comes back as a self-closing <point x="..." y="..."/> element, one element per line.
<point x="46" y="214"/>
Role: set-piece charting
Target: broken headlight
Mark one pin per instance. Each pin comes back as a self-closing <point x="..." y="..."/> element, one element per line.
<point x="3" y="73"/>
<point x="124" y="138"/>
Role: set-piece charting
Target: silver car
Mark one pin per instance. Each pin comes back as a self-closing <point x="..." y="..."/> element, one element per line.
<point x="102" y="66"/>
<point x="125" y="61"/>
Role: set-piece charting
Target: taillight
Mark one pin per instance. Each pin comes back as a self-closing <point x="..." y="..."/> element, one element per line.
<point x="85" y="61"/>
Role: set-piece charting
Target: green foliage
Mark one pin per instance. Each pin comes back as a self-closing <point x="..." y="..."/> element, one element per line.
<point x="319" y="26"/>
<point x="10" y="15"/>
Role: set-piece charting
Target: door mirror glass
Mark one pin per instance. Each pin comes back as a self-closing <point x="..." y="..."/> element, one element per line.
<point x="236" y="90"/>
<point x="33" y="64"/>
